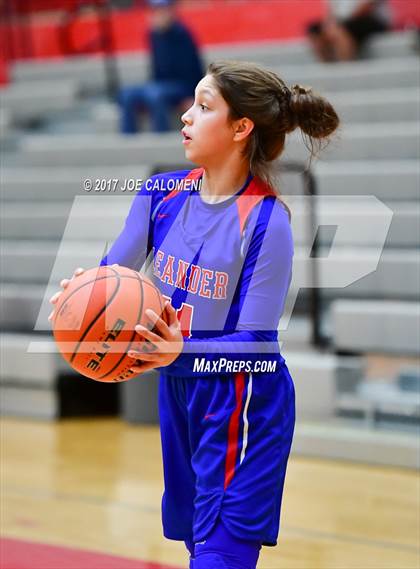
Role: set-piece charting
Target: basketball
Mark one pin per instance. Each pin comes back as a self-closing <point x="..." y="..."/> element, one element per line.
<point x="94" y="321"/>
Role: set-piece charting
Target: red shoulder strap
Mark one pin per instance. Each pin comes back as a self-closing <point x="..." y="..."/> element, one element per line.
<point x="192" y="175"/>
<point x="255" y="192"/>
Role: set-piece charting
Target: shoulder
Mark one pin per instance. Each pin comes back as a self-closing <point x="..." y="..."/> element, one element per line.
<point x="270" y="222"/>
<point x="165" y="186"/>
<point x="179" y="30"/>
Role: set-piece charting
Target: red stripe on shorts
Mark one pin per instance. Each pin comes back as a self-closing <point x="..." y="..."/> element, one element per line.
<point x="233" y="432"/>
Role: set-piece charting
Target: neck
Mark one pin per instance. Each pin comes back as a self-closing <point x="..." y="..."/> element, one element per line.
<point x="220" y="183"/>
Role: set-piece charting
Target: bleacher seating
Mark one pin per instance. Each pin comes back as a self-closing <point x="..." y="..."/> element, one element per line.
<point x="381" y="326"/>
<point x="43" y="97"/>
<point x="375" y="154"/>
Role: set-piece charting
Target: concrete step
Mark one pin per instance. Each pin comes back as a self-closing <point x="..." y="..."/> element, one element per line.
<point x="32" y="361"/>
<point x="315" y="379"/>
<point x="33" y="261"/>
<point x="96" y="218"/>
<point x="133" y="67"/>
<point x="103" y="218"/>
<point x="392" y="45"/>
<point x="6" y="125"/>
<point x="392" y="225"/>
<point x="91" y="150"/>
<point x="390" y="180"/>
<point x="383" y="141"/>
<point x="376" y="326"/>
<point x="53" y="184"/>
<point x="393" y="273"/>
<point x="373" y="141"/>
<point x="377" y="105"/>
<point x="20" y="306"/>
<point x="355" y="106"/>
<point x="25" y="103"/>
<point x="36" y="382"/>
<point x="354" y="76"/>
<point x="24" y="306"/>
<point x="18" y="364"/>
<point x="389" y="273"/>
<point x="356" y="442"/>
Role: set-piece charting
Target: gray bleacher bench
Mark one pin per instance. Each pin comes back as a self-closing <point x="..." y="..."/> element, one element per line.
<point x="104" y="217"/>
<point x="354" y="75"/>
<point x="41" y="385"/>
<point x="376" y="141"/>
<point x="133" y="67"/>
<point x="396" y="276"/>
<point x="390" y="180"/>
<point x="378" y="105"/>
<point x="380" y="326"/>
<point x="26" y="103"/>
<point x="53" y="184"/>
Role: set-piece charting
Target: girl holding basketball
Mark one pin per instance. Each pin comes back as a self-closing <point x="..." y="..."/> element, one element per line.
<point x="222" y="256"/>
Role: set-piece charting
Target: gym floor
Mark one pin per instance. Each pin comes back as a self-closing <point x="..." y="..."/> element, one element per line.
<point x="96" y="485"/>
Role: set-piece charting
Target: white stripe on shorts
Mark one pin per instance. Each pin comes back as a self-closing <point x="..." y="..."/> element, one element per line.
<point x="245" y="418"/>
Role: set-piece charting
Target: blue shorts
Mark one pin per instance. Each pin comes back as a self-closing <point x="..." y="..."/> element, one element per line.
<point x="221" y="550"/>
<point x="225" y="443"/>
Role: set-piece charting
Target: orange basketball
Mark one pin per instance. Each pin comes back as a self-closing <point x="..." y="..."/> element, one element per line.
<point x="94" y="321"/>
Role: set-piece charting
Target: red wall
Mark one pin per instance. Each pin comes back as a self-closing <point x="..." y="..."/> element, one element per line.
<point x="405" y="13"/>
<point x="211" y="21"/>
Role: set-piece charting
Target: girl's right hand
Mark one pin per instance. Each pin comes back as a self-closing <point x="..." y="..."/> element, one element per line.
<point x="64" y="284"/>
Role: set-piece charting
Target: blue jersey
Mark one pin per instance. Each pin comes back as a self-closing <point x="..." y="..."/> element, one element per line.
<point x="227" y="268"/>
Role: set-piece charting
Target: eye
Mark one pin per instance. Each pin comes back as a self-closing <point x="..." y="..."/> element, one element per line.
<point x="203" y="107"/>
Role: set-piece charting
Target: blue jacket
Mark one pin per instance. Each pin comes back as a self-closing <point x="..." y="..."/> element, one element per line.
<point x="175" y="56"/>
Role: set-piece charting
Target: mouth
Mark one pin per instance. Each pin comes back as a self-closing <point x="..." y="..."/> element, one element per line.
<point x="187" y="138"/>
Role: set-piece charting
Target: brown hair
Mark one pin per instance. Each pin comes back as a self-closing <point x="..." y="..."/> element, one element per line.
<point x="275" y="109"/>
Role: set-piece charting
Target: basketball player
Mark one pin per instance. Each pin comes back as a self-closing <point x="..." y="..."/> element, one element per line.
<point x="221" y="253"/>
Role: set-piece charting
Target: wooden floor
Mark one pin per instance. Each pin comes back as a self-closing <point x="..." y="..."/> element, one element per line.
<point x="97" y="484"/>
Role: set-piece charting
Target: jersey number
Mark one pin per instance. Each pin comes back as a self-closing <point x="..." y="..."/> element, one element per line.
<point x="184" y="315"/>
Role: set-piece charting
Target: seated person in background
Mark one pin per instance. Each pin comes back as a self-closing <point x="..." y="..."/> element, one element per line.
<point x="342" y="35"/>
<point x="176" y="68"/>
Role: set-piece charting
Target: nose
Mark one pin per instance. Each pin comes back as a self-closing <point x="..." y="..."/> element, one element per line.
<point x="186" y="117"/>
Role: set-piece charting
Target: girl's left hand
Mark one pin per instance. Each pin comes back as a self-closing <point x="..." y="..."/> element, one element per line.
<point x="161" y="349"/>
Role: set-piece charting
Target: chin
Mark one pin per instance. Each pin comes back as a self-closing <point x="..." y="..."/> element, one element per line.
<point x="191" y="157"/>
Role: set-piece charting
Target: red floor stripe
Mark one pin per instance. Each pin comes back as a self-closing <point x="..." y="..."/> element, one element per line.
<point x="18" y="554"/>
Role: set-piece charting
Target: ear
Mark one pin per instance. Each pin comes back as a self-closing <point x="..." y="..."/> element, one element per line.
<point x="242" y="128"/>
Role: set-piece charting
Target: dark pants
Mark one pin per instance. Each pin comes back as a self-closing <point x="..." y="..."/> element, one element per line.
<point x="157" y="97"/>
<point x="359" y="27"/>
